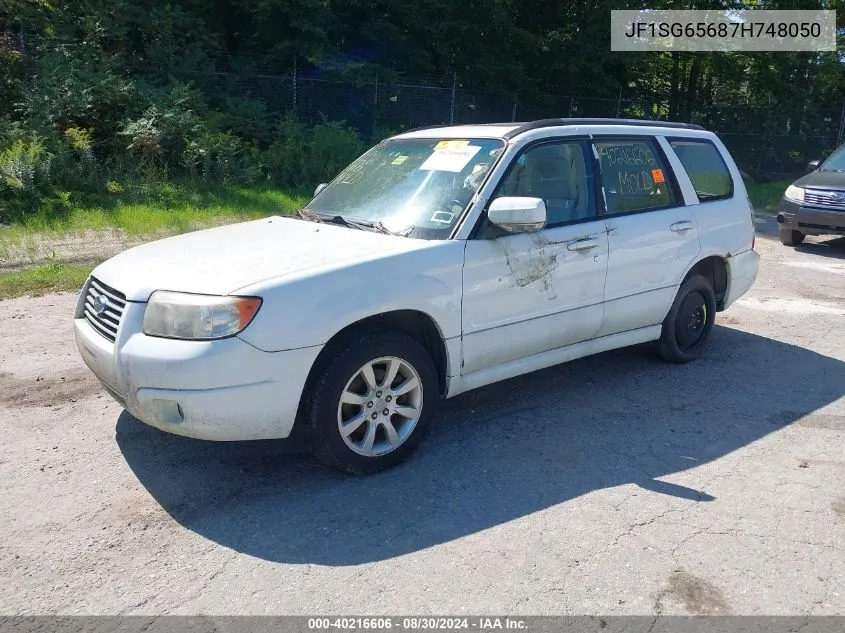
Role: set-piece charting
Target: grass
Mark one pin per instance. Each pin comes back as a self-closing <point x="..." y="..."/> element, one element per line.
<point x="765" y="196"/>
<point x="143" y="209"/>
<point x="38" y="280"/>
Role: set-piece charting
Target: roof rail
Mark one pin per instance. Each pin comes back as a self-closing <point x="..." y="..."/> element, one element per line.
<point x="534" y="125"/>
<point x="425" y="127"/>
<point x="442" y="125"/>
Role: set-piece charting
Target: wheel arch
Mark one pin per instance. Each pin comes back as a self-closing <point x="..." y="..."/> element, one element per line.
<point x="715" y="269"/>
<point x="415" y="323"/>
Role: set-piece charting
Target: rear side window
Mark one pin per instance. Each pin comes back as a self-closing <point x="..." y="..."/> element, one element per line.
<point x="706" y="168"/>
<point x="634" y="175"/>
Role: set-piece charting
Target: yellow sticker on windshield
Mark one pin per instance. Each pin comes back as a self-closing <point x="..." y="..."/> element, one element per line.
<point x="398" y="160"/>
<point x="451" y="144"/>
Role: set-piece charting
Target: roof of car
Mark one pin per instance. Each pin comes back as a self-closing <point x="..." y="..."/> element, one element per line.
<point x="510" y="130"/>
<point x="484" y="130"/>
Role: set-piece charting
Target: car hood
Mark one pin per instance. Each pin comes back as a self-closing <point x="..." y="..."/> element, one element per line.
<point x="221" y="260"/>
<point x="830" y="180"/>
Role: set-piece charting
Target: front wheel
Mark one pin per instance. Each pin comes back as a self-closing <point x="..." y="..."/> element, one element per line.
<point x="687" y="327"/>
<point x="791" y="238"/>
<point x="372" y="403"/>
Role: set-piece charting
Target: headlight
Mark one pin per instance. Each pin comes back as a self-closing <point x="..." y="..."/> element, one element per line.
<point x="796" y="194"/>
<point x="187" y="316"/>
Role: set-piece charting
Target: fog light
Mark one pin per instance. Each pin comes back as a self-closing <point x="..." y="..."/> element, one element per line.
<point x="780" y="218"/>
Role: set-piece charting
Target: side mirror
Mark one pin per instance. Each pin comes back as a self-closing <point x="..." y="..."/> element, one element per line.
<point x="517" y="215"/>
<point x="319" y="188"/>
<point x="813" y="165"/>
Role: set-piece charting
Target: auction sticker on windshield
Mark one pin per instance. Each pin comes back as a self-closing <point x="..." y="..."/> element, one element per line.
<point x="450" y="157"/>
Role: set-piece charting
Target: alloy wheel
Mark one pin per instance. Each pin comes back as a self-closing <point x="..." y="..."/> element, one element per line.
<point x="380" y="406"/>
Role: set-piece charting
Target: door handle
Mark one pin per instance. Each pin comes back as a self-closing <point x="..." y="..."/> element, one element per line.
<point x="683" y="225"/>
<point x="583" y="244"/>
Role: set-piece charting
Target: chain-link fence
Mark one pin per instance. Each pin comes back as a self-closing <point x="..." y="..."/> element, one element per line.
<point x="765" y="141"/>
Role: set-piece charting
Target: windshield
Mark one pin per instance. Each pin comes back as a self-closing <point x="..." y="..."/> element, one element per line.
<point x="836" y="161"/>
<point x="415" y="187"/>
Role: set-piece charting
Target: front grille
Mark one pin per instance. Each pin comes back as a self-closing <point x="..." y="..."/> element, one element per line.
<point x="825" y="199"/>
<point x="103" y="308"/>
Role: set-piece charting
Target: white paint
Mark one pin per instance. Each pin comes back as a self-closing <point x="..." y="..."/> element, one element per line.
<point x="836" y="269"/>
<point x="223" y="259"/>
<point x="228" y="390"/>
<point x="502" y="306"/>
<point x="742" y="273"/>
<point x="528" y="293"/>
<point x="801" y="307"/>
<point x="524" y="213"/>
<point x="555" y="357"/>
<point x="646" y="256"/>
<point x="462" y="131"/>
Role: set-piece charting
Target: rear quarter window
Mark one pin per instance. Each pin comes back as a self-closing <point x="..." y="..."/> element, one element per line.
<point x="706" y="168"/>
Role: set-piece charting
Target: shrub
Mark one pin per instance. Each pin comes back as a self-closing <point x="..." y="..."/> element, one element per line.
<point x="333" y="147"/>
<point x="25" y="169"/>
<point x="158" y="138"/>
<point x="221" y="158"/>
<point x="145" y="136"/>
<point x="304" y="157"/>
<point x="243" y="117"/>
<point x="75" y="86"/>
<point x="74" y="165"/>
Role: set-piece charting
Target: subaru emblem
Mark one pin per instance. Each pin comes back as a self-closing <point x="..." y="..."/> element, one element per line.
<point x="100" y="303"/>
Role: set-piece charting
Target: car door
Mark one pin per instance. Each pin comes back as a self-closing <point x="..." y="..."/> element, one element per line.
<point x="652" y="234"/>
<point x="528" y="293"/>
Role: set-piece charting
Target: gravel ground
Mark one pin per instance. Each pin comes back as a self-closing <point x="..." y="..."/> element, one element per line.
<point x="67" y="248"/>
<point x="615" y="484"/>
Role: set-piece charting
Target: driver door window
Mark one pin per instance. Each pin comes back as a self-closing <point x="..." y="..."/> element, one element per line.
<point x="559" y="173"/>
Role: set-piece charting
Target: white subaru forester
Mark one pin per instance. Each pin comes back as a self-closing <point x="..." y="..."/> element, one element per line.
<point x="441" y="260"/>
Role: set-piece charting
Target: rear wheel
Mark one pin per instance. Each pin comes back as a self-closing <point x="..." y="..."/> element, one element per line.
<point x="791" y="238"/>
<point x="687" y="327"/>
<point x="372" y="402"/>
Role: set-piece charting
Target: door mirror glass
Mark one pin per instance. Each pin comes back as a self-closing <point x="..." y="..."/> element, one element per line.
<point x="813" y="165"/>
<point x="517" y="214"/>
<point x="319" y="188"/>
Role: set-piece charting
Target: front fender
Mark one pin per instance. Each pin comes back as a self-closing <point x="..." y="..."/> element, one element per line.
<point x="311" y="308"/>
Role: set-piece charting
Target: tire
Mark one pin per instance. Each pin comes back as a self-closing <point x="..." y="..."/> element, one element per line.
<point x="791" y="238"/>
<point x="364" y="412"/>
<point x="687" y="327"/>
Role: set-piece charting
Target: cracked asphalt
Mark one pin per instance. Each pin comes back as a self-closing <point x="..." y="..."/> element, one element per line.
<point x="616" y="484"/>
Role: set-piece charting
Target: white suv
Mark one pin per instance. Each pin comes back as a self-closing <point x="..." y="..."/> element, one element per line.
<point x="442" y="260"/>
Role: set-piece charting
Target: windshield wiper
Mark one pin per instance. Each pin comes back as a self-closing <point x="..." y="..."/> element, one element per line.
<point x="309" y="215"/>
<point x="376" y="226"/>
<point x="312" y="216"/>
<point x="361" y="225"/>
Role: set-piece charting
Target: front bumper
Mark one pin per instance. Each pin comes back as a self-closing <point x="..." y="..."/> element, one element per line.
<point x="214" y="390"/>
<point x="793" y="216"/>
